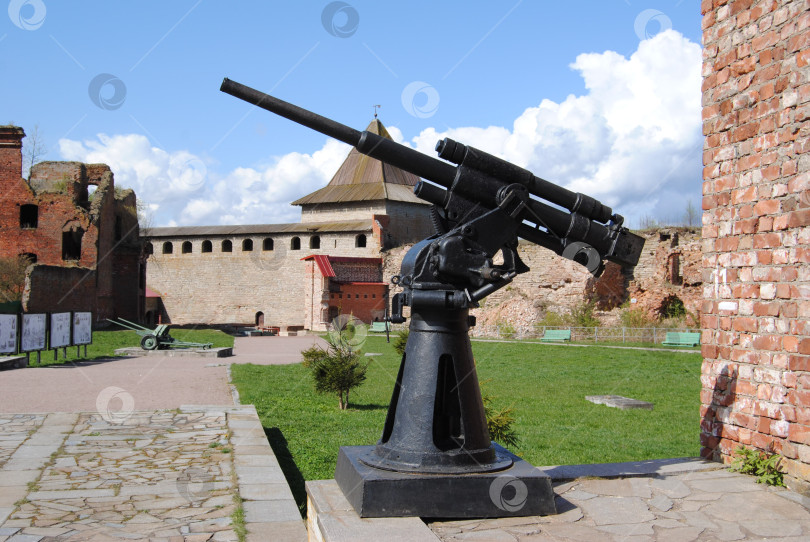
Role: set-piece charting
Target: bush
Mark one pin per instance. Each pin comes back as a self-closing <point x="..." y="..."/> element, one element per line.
<point x="582" y="315"/>
<point x="499" y="422"/>
<point x="551" y="319"/>
<point x="761" y="464"/>
<point x="335" y="370"/>
<point x="400" y="341"/>
<point x="636" y="318"/>
<point x="506" y="330"/>
<point x="673" y="308"/>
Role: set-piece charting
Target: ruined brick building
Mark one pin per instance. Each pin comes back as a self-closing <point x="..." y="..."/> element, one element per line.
<point x="293" y="276"/>
<point x="79" y="232"/>
<point x="756" y="231"/>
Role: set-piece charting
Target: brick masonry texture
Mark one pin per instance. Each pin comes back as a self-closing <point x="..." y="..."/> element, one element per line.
<point x="756" y="240"/>
<point x="36" y="217"/>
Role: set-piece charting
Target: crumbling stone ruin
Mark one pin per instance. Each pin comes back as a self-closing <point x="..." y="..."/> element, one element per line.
<point x="669" y="269"/>
<point x="78" y="231"/>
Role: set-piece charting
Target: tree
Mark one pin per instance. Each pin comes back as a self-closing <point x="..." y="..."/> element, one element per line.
<point x="691" y="215"/>
<point x="400" y="341"/>
<point x="12" y="277"/>
<point x="34" y="149"/>
<point x="647" y="222"/>
<point x="335" y="370"/>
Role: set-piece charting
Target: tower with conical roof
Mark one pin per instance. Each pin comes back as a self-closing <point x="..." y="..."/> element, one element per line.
<point x="363" y="188"/>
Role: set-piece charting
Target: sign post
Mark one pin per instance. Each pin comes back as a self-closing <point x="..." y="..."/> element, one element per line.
<point x="82" y="330"/>
<point x="60" y="333"/>
<point x="34" y="331"/>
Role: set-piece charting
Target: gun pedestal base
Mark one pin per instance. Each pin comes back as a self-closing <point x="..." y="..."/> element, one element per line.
<point x="520" y="490"/>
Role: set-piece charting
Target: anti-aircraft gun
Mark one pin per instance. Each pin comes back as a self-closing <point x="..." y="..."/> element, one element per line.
<point x="435" y="457"/>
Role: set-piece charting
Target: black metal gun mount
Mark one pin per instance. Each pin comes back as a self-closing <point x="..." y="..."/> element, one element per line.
<point x="435" y="457"/>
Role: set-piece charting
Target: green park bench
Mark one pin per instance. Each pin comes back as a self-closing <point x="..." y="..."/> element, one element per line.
<point x="378" y="327"/>
<point x="556" y="335"/>
<point x="676" y="338"/>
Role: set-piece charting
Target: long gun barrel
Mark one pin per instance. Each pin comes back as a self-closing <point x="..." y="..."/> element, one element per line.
<point x="479" y="178"/>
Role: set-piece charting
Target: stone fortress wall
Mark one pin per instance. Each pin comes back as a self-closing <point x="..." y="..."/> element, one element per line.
<point x="232" y="287"/>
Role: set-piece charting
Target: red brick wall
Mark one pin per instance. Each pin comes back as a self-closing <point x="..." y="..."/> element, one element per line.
<point x="105" y="279"/>
<point x="756" y="240"/>
<point x="10" y="151"/>
<point x="60" y="289"/>
<point x="363" y="301"/>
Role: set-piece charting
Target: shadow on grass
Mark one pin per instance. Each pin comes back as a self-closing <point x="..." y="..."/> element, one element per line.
<point x="371" y="406"/>
<point x="285" y="460"/>
<point x="74" y="363"/>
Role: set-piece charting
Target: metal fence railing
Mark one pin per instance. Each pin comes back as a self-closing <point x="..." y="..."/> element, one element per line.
<point x="648" y="335"/>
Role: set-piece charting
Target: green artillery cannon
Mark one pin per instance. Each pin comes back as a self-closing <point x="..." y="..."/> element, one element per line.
<point x="158" y="338"/>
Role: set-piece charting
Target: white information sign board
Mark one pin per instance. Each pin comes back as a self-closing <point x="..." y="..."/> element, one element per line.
<point x="82" y="328"/>
<point x="33" y="332"/>
<point x="8" y="333"/>
<point x="60" y="329"/>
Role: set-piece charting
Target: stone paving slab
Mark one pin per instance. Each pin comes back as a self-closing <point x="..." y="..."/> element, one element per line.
<point x="162" y="476"/>
<point x="617" y="401"/>
<point x="715" y="505"/>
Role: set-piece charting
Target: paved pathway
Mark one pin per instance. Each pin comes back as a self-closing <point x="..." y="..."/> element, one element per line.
<point x="146" y="382"/>
<point x="267" y="350"/>
<point x="193" y="474"/>
<point x="117" y="454"/>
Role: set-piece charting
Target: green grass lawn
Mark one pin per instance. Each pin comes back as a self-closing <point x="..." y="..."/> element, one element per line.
<point x="546" y="385"/>
<point x="106" y="342"/>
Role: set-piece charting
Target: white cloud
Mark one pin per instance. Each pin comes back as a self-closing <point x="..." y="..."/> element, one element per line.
<point x="179" y="190"/>
<point x="633" y="140"/>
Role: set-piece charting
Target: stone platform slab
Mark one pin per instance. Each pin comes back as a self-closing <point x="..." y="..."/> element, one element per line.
<point x="330" y="517"/>
<point x="13" y="362"/>
<point x="221" y="352"/>
<point x="662" y="500"/>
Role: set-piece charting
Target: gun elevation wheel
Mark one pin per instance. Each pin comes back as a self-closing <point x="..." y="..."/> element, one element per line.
<point x="149" y="342"/>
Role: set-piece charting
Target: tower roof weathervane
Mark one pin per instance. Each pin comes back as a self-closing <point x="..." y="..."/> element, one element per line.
<point x="375" y="110"/>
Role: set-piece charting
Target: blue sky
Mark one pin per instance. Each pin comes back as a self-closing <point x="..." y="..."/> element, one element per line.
<point x="544" y="84"/>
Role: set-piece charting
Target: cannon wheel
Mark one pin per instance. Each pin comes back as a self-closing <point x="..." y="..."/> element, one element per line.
<point x="149" y="342"/>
